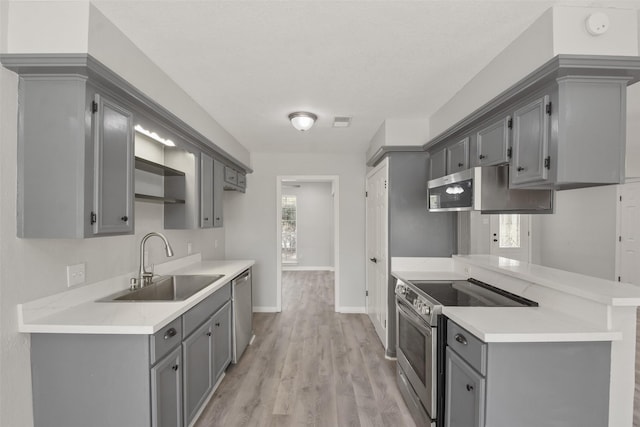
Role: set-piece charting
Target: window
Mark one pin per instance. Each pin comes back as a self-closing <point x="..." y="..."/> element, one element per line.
<point x="289" y="229"/>
<point x="509" y="231"/>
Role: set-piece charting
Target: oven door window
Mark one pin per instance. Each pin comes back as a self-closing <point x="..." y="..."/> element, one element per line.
<point x="414" y="344"/>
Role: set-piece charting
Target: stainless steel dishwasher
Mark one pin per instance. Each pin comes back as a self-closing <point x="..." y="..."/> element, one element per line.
<point x="242" y="313"/>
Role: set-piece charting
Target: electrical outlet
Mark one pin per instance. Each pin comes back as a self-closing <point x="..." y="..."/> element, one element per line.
<point x="75" y="275"/>
<point x="189" y="248"/>
<point x="215" y="243"/>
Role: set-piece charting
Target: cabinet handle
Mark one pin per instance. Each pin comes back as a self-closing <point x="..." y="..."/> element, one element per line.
<point x="206" y="219"/>
<point x="218" y="219"/>
<point x="461" y="339"/>
<point x="460" y="165"/>
<point x="520" y="168"/>
<point x="374" y="260"/>
<point x="125" y="218"/>
<point x="175" y="368"/>
<point x="170" y="333"/>
<point x="482" y="156"/>
<point x="209" y="334"/>
<point x="469" y="387"/>
<point x="217" y="324"/>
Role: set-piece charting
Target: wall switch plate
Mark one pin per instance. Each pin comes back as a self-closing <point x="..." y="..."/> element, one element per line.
<point x="215" y="243"/>
<point x="189" y="248"/>
<point x="75" y="275"/>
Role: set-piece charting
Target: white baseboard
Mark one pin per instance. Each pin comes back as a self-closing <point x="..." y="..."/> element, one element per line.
<point x="305" y="268"/>
<point x="352" y="310"/>
<point x="265" y="309"/>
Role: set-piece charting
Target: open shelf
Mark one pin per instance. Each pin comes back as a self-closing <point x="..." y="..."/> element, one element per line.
<point x="158" y="199"/>
<point x="156" y="168"/>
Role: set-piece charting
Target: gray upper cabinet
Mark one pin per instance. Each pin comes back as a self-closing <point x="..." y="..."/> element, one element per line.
<point x="166" y="391"/>
<point x="75" y="160"/>
<point x="206" y="191"/>
<point x="218" y="189"/>
<point x="230" y="176"/>
<point x="113" y="167"/>
<point x="492" y="143"/>
<point x="438" y="164"/>
<point x="458" y="156"/>
<point x="531" y="142"/>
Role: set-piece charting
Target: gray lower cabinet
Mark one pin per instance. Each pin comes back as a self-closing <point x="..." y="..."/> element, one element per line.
<point x="166" y="391"/>
<point x="158" y="380"/>
<point x="197" y="352"/>
<point x="465" y="392"/>
<point x="75" y="160"/>
<point x="221" y="326"/>
<point x="492" y="143"/>
<point x="525" y="384"/>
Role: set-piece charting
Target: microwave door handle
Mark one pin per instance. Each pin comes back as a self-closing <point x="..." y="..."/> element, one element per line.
<point x="414" y="320"/>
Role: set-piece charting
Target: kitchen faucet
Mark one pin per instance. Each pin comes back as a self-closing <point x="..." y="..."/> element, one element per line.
<point x="144" y="276"/>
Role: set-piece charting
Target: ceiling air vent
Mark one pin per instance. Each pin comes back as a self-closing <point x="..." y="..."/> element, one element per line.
<point x="341" y="121"/>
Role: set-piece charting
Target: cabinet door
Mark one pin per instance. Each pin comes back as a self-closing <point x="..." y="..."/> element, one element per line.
<point x="438" y="164"/>
<point x="166" y="391"/>
<point x="530" y="142"/>
<point x="218" y="190"/>
<point x="458" y="156"/>
<point x="206" y="191"/>
<point x="242" y="180"/>
<point x="465" y="393"/>
<point x="493" y="143"/>
<point x="231" y="176"/>
<point x="221" y="340"/>
<point x="197" y="352"/>
<point x="113" y="168"/>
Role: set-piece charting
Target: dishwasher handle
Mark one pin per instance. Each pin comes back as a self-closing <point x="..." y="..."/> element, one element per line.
<point x="243" y="277"/>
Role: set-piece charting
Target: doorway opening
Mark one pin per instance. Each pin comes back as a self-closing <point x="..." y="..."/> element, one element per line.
<point x="307" y="230"/>
<point x="511" y="236"/>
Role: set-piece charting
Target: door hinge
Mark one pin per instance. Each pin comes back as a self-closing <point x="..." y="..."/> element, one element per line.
<point x="94" y="218"/>
<point x="510" y="124"/>
<point x="94" y="107"/>
<point x="549" y="108"/>
<point x="366" y="194"/>
<point x="619" y="279"/>
<point x="366" y="293"/>
<point x="620" y="198"/>
<point x="547" y="163"/>
<point x="385" y="323"/>
<point x="385" y="184"/>
<point x="619" y="238"/>
<point x="509" y="152"/>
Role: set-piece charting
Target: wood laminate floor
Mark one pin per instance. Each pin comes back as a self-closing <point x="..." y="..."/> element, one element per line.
<point x="636" y="400"/>
<point x="309" y="366"/>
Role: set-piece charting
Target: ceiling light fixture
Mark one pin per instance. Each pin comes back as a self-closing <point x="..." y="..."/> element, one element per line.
<point x="302" y="120"/>
<point x="154" y="136"/>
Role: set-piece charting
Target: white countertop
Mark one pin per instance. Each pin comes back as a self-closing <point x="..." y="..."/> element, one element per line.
<point x="91" y="317"/>
<point x="525" y="324"/>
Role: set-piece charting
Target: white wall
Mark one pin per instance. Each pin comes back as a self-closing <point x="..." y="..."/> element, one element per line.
<point x="399" y="132"/>
<point x="250" y="220"/>
<point x="35" y="268"/>
<point x="559" y="30"/>
<point x="314" y="223"/>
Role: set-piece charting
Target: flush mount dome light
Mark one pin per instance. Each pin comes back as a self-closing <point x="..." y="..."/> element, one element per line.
<point x="302" y="120"/>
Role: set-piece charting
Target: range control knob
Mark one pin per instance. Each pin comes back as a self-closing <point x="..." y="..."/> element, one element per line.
<point x="426" y="310"/>
<point x="401" y="289"/>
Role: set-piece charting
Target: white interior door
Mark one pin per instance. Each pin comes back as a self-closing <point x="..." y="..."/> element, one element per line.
<point x="377" y="249"/>
<point x="629" y="242"/>
<point x="510" y="236"/>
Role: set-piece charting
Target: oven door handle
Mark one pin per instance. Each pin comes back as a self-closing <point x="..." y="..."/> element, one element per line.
<point x="413" y="318"/>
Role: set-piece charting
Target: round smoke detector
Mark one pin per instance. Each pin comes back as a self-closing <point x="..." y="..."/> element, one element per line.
<point x="597" y="24"/>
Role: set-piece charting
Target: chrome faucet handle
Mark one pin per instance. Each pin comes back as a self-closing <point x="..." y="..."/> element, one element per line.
<point x="133" y="284"/>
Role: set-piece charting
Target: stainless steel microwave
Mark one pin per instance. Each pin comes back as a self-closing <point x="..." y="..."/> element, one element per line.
<point x="485" y="189"/>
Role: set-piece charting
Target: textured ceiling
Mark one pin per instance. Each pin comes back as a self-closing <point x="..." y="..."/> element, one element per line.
<point x="251" y="63"/>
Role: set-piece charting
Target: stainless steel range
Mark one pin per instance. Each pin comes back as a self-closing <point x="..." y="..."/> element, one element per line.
<point x="421" y="342"/>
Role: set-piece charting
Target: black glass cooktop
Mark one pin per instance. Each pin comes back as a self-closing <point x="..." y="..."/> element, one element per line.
<point x="469" y="293"/>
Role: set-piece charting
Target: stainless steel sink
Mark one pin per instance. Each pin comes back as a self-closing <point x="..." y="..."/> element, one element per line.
<point x="166" y="288"/>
